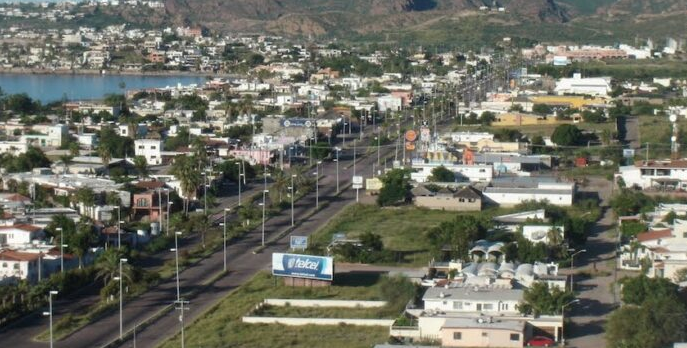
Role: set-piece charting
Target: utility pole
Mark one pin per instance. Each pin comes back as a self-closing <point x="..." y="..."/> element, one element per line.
<point x="317" y="185"/>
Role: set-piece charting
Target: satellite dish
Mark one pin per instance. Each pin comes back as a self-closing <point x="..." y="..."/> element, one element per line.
<point x="673" y="118"/>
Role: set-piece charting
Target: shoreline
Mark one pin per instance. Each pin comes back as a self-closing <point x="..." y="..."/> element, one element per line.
<point x="94" y="72"/>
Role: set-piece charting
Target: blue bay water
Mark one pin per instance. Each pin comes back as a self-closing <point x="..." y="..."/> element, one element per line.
<point x="48" y="88"/>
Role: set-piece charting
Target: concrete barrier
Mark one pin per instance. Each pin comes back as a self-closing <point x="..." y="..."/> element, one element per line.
<point x="323" y="303"/>
<point x="318" y="321"/>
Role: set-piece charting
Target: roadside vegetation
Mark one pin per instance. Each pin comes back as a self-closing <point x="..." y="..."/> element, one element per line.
<point x="221" y="326"/>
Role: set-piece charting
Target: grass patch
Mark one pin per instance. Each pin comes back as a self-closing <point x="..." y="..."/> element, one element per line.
<point x="221" y="326"/>
<point x="315" y="312"/>
<point x="401" y="229"/>
<point x="544" y="130"/>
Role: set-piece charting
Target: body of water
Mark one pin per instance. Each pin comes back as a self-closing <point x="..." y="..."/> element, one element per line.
<point x="48" y="88"/>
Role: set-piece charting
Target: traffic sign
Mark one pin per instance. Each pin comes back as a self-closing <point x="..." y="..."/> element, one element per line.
<point x="411" y="135"/>
<point x="357" y="182"/>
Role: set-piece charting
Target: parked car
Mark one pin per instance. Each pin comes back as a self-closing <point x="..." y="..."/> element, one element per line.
<point x="541" y="341"/>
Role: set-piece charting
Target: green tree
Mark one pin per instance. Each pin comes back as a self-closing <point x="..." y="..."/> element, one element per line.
<point x="442" y="174"/>
<point x="657" y="323"/>
<point x="541" y="109"/>
<point x="107" y="266"/>
<point x="185" y="171"/>
<point x="637" y="290"/>
<point x="457" y="235"/>
<point x="567" y="135"/>
<point x="396" y="187"/>
<point x="631" y="202"/>
<point x="540" y="299"/>
<point x="141" y="166"/>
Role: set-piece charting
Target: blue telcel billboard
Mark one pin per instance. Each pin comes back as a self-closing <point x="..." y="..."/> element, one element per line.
<point x="303" y="266"/>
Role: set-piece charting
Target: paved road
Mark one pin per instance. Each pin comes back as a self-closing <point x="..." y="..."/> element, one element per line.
<point x="597" y="299"/>
<point x="106" y="329"/>
<point x="631" y="131"/>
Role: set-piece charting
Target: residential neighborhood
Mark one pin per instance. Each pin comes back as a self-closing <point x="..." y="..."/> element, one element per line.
<point x="227" y="186"/>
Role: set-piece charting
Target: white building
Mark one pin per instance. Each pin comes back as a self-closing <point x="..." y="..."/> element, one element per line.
<point x="389" y="103"/>
<point x="665" y="250"/>
<point x="19" y="235"/>
<point x="151" y="149"/>
<point x="51" y="136"/>
<point x="464" y="172"/>
<point x="644" y="175"/>
<point x="561" y="194"/>
<point x="599" y="86"/>
<point x="469" y="137"/>
<point x="13" y="148"/>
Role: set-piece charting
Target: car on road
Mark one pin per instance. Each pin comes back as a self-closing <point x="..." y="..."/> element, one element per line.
<point x="540" y="341"/>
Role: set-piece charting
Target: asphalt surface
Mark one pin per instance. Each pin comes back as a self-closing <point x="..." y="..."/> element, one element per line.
<point x="243" y="264"/>
<point x="598" y="298"/>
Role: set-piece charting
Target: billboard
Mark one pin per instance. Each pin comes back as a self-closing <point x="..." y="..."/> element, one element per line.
<point x="303" y="266"/>
<point x="296" y="122"/>
<point x="299" y="242"/>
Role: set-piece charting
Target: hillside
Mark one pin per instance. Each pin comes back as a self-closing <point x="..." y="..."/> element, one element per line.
<point x="320" y="17"/>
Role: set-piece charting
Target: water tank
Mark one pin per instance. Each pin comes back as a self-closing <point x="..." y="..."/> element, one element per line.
<point x="154" y="228"/>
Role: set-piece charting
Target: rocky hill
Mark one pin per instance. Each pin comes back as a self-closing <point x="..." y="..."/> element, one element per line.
<point x="318" y="17"/>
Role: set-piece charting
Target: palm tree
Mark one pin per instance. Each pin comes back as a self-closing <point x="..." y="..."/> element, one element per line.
<point x="105" y="155"/>
<point x="302" y="179"/>
<point x="554" y="236"/>
<point x="66" y="160"/>
<point x="141" y="166"/>
<point x="184" y="170"/>
<point x="199" y="152"/>
<point x="107" y="266"/>
<point x="74" y="149"/>
<point x="280" y="186"/>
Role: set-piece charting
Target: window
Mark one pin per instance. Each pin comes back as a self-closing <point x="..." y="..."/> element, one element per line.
<point x="141" y="147"/>
<point x="457" y="336"/>
<point x="142" y="202"/>
<point x="153" y="147"/>
<point x="488" y="306"/>
<point x="515" y="337"/>
<point x="461" y="200"/>
<point x="485" y="334"/>
<point x="504" y="306"/>
<point x="4" y="265"/>
<point x="457" y="305"/>
<point x="684" y="234"/>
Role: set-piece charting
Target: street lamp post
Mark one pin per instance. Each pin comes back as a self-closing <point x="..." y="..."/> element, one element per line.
<point x="317" y="185"/>
<point x="337" y="169"/>
<point x="225" y="238"/>
<point x="49" y="313"/>
<point x="168" y="207"/>
<point x="343" y="134"/>
<point x="62" y="245"/>
<point x="119" y="227"/>
<point x="121" y="298"/>
<point x="176" y="260"/>
<point x="379" y="139"/>
<point x="572" y="267"/>
<point x="293" y="191"/>
<point x="264" y="194"/>
<point x="563" y="316"/>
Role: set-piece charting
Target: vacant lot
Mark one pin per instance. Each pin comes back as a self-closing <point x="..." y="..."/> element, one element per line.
<point x="222" y="327"/>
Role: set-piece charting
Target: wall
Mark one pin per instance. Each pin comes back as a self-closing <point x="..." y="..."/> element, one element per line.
<point x="324" y="303"/>
<point x="449" y="204"/>
<point x="317" y="321"/>
<point x="475" y="338"/>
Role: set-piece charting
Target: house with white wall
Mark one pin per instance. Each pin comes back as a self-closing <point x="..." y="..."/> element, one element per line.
<point x="655" y="174"/>
<point x="151" y="149"/>
<point x="464" y="172"/>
